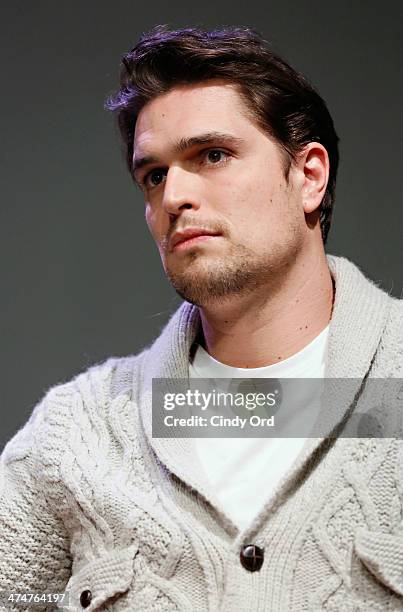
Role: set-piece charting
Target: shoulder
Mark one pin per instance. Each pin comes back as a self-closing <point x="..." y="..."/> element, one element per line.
<point x="389" y="356"/>
<point x="105" y="381"/>
<point x="392" y="337"/>
<point x="395" y="320"/>
<point x="78" y="404"/>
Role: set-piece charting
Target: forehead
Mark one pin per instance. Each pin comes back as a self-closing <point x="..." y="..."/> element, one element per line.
<point x="187" y="109"/>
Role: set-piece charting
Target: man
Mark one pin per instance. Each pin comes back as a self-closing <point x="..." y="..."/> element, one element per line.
<point x="236" y="156"/>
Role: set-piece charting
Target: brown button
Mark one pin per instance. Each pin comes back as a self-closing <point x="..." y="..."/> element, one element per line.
<point x="252" y="557"/>
<point x="85" y="598"/>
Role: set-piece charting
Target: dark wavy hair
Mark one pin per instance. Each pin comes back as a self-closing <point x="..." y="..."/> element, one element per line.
<point x="279" y="99"/>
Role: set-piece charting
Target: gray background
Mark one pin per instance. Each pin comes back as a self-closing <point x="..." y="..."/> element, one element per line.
<point x="80" y="277"/>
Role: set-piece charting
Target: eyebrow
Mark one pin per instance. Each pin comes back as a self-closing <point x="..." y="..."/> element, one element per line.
<point x="186" y="143"/>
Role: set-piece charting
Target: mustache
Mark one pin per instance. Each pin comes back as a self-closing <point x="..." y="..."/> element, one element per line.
<point x="195" y="223"/>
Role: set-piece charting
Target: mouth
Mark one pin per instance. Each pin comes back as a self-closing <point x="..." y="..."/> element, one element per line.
<point x="191" y="237"/>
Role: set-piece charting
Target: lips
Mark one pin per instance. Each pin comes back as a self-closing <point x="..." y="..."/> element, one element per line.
<point x="182" y="236"/>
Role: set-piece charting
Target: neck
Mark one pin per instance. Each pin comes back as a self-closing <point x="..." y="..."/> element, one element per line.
<point x="274" y="322"/>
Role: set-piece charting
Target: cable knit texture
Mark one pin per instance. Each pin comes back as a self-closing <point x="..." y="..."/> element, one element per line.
<point x="91" y="501"/>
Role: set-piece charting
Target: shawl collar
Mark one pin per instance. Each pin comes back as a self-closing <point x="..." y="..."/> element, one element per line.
<point x="359" y="315"/>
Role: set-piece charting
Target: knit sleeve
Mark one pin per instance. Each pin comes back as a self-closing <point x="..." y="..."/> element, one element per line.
<point x="34" y="546"/>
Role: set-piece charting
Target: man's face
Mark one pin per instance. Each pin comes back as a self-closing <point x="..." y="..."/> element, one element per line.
<point x="224" y="217"/>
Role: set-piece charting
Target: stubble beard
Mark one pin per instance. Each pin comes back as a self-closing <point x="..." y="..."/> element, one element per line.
<point x="204" y="280"/>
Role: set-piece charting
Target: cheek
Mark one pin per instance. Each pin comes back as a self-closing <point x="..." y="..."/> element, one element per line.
<point x="149" y="218"/>
<point x="152" y="222"/>
<point x="158" y="225"/>
<point x="251" y="201"/>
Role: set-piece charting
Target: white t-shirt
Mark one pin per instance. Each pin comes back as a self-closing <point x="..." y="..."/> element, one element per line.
<point x="244" y="471"/>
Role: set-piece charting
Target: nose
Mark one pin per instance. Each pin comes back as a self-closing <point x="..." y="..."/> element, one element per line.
<point x="181" y="191"/>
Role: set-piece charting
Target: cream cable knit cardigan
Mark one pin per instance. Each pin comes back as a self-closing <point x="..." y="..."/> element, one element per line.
<point x="89" y="501"/>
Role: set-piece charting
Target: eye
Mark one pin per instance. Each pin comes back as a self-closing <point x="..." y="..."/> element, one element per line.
<point x="215" y="155"/>
<point x="154" y="176"/>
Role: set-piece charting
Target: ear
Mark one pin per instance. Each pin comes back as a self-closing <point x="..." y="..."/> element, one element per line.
<point x="314" y="166"/>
